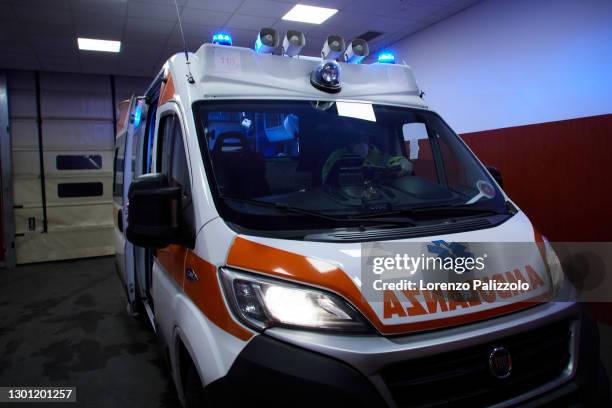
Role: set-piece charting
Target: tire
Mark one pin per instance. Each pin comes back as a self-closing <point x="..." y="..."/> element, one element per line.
<point x="193" y="389"/>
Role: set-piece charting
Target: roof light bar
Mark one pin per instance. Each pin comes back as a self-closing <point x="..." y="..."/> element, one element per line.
<point x="222" y="39"/>
<point x="386" y="58"/>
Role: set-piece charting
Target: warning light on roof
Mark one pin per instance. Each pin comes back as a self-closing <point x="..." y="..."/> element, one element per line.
<point x="137" y="115"/>
<point x="386" y="58"/>
<point x="222" y="39"/>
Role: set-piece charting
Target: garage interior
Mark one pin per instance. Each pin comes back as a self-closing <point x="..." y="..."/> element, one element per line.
<point x="525" y="83"/>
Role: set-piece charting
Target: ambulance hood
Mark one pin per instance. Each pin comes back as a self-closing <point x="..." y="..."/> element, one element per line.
<point x="511" y="250"/>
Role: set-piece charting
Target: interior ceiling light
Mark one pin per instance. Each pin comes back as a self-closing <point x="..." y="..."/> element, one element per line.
<point x="90" y="44"/>
<point x="309" y="14"/>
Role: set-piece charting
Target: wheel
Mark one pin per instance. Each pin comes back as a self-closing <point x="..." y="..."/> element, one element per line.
<point x="193" y="389"/>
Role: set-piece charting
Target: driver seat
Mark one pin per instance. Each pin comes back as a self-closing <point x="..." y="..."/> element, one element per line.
<point x="239" y="171"/>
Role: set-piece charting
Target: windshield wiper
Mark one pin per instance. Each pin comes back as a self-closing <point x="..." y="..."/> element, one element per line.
<point x="385" y="217"/>
<point x="424" y="210"/>
<point x="298" y="210"/>
<point x="453" y="208"/>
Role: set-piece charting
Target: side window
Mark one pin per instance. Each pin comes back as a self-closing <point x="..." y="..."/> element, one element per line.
<point x="147" y="148"/>
<point x="78" y="162"/>
<point x="173" y="155"/>
<point x="179" y="175"/>
<point x="173" y="158"/>
<point x="118" y="171"/>
<point x="164" y="144"/>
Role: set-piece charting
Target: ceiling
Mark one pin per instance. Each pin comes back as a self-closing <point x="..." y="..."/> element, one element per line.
<point x="41" y="34"/>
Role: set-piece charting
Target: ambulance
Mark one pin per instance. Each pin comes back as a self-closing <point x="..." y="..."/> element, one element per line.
<point x="280" y="219"/>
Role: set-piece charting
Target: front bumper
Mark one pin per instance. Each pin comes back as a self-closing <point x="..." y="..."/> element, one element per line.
<point x="278" y="369"/>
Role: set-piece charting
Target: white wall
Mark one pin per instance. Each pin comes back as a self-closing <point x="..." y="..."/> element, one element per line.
<point x="505" y="63"/>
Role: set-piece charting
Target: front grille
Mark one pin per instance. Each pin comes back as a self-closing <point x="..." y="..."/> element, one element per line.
<point x="462" y="377"/>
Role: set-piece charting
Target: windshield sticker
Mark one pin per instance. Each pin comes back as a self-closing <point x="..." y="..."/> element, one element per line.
<point x="485" y="190"/>
<point x="413" y="132"/>
<point x="356" y="110"/>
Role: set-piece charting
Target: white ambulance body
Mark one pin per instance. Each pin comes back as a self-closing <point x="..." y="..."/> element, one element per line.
<point x="249" y="188"/>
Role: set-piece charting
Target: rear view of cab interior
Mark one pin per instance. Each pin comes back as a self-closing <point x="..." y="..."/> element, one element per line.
<point x="275" y="220"/>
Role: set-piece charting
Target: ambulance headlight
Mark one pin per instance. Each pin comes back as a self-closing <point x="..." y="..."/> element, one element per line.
<point x="262" y="303"/>
<point x="327" y="77"/>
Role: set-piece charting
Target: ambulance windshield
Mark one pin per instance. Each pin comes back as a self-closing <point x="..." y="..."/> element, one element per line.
<point x="292" y="161"/>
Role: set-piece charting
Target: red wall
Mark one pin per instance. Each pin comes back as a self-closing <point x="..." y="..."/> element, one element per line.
<point x="559" y="173"/>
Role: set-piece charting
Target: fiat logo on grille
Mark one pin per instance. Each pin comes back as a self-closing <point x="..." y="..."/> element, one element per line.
<point x="500" y="362"/>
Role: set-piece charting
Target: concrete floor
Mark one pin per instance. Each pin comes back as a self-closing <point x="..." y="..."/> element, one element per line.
<point x="65" y="324"/>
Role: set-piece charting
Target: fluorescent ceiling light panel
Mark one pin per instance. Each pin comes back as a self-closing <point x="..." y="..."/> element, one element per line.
<point x="90" y="44"/>
<point x="309" y="14"/>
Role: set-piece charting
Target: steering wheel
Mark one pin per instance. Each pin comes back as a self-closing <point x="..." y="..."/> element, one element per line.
<point x="347" y="169"/>
<point x="376" y="172"/>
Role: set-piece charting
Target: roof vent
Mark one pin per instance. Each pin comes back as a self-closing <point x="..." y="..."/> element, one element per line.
<point x="369" y="35"/>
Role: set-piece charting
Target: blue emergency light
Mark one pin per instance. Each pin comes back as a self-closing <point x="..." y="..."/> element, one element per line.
<point x="386" y="58"/>
<point x="222" y="39"/>
<point x="137" y="115"/>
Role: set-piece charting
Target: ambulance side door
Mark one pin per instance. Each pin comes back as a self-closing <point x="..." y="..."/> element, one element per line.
<point x="131" y="150"/>
<point x="143" y="161"/>
<point x="119" y="230"/>
<point x="171" y="160"/>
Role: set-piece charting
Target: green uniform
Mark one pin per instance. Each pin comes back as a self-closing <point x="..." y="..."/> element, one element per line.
<point x="375" y="157"/>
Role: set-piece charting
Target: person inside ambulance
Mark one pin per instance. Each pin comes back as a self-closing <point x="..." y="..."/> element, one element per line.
<point x="369" y="156"/>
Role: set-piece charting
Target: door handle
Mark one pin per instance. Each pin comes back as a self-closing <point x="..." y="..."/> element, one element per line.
<point x="191" y="275"/>
<point x="120" y="220"/>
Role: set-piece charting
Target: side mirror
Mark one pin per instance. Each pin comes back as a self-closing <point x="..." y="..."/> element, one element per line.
<point x="497" y="176"/>
<point x="153" y="212"/>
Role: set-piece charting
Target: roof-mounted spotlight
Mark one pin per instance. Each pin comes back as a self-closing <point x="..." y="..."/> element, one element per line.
<point x="357" y="50"/>
<point x="326" y="77"/>
<point x="222" y="39"/>
<point x="293" y="43"/>
<point x="333" y="47"/>
<point x="386" y="57"/>
<point x="267" y="41"/>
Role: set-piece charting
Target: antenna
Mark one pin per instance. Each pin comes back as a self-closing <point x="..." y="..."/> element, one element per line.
<point x="178" y="15"/>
